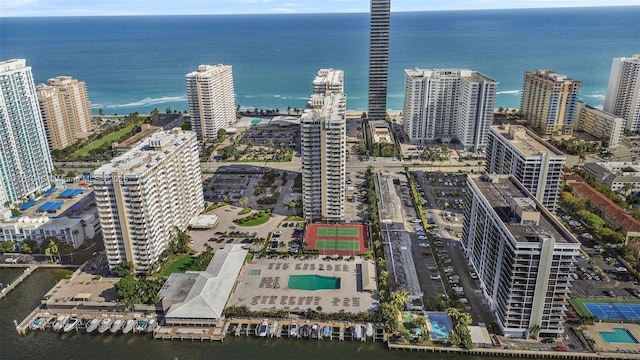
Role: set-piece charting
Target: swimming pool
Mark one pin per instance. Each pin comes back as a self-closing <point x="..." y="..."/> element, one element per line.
<point x="440" y="325"/>
<point x="313" y="282"/>
<point x="619" y="335"/>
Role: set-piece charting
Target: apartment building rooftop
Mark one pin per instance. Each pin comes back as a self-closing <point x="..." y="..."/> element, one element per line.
<point x="525" y="140"/>
<point x="525" y="218"/>
<point x="325" y="107"/>
<point x="146" y="154"/>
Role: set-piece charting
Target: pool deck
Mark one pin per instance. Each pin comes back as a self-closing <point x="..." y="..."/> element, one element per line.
<point x="269" y="291"/>
<point x="594" y="332"/>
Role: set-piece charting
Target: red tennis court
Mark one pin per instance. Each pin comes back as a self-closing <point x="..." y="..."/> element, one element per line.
<point x="331" y="239"/>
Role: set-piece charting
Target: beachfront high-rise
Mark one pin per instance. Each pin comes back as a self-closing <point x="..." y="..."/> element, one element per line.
<point x="65" y="110"/>
<point x="549" y="102"/>
<point x="513" y="149"/>
<point x="211" y="97"/>
<point x="323" y="140"/>
<point x="147" y="192"/>
<point x="378" y="58"/>
<point x="25" y="162"/>
<point x="523" y="255"/>
<point x="443" y="104"/>
<point x="623" y="92"/>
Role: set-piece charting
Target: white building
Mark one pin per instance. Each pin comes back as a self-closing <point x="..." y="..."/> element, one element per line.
<point x="446" y="104"/>
<point x="25" y="162"/>
<point x="328" y="81"/>
<point x="623" y="92"/>
<point x="323" y="141"/>
<point x="523" y="256"/>
<point x="600" y="124"/>
<point x="211" y="96"/>
<point x="513" y="149"/>
<point x="72" y="230"/>
<point x="145" y="193"/>
<point x="621" y="177"/>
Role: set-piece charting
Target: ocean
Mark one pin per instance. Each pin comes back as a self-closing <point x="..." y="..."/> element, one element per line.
<point x="138" y="63"/>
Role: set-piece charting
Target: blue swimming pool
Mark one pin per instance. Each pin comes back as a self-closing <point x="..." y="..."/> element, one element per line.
<point x="440" y="325"/>
<point x="619" y="335"/>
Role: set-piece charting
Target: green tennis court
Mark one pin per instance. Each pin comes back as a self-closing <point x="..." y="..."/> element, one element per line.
<point x="340" y="245"/>
<point x="335" y="231"/>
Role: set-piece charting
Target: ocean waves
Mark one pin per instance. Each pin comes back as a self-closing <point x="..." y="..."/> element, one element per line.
<point x="148" y="101"/>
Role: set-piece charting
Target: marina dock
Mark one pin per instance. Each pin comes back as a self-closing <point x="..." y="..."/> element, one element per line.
<point x="14" y="283"/>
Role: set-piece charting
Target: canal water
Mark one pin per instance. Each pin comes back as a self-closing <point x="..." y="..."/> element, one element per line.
<point x="49" y="345"/>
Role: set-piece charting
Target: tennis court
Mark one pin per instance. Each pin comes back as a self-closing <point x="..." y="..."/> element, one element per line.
<point x="340" y="239"/>
<point x="614" y="311"/>
<point x="336" y="231"/>
<point x="346" y="245"/>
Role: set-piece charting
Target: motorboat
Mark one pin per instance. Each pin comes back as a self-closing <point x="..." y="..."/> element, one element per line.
<point x="293" y="330"/>
<point x="326" y="332"/>
<point x="37" y="323"/>
<point x="117" y="325"/>
<point x="151" y="325"/>
<point x="262" y="329"/>
<point x="274" y="329"/>
<point x="357" y="332"/>
<point x="105" y="325"/>
<point x="72" y="324"/>
<point x="128" y="326"/>
<point x="369" y="330"/>
<point x="141" y="326"/>
<point x="60" y="322"/>
<point x="314" y="331"/>
<point x="93" y="325"/>
<point x="304" y="330"/>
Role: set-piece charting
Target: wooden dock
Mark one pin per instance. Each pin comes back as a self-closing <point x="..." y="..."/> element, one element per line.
<point x="14" y="283"/>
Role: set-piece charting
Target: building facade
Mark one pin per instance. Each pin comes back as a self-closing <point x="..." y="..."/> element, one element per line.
<point x="71" y="230"/>
<point x="328" y="81"/>
<point x="523" y="256"/>
<point x="65" y="111"/>
<point x="607" y="127"/>
<point x="623" y="91"/>
<point x="211" y="96"/>
<point x="379" y="58"/>
<point x="446" y="104"/>
<point x="323" y="142"/>
<point x="26" y="168"/>
<point x="623" y="177"/>
<point x="513" y="149"/>
<point x="146" y="193"/>
<point x="549" y="102"/>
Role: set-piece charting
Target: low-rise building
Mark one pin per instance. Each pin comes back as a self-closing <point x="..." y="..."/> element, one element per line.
<point x="602" y="125"/>
<point x="621" y="177"/>
<point x="71" y="230"/>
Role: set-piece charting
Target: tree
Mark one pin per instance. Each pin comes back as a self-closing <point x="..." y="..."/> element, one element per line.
<point x="243" y="201"/>
<point x="123" y="269"/>
<point x="7" y="245"/>
<point x="534" y="331"/>
<point x="222" y="134"/>
<point x="128" y="290"/>
<point x="182" y="240"/>
<point x="364" y="115"/>
<point x="53" y="249"/>
<point x="400" y="298"/>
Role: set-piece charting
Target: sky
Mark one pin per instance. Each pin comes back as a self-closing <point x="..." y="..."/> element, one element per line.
<point x="11" y="8"/>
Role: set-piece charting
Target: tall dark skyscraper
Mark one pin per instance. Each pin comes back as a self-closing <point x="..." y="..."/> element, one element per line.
<point x="378" y="58"/>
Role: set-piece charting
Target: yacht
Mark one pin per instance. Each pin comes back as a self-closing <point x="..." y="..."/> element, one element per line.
<point x="37" y="324"/>
<point x="128" y="326"/>
<point x="263" y="329"/>
<point x="326" y="332"/>
<point x="117" y="325"/>
<point x="141" y="326"/>
<point x="93" y="325"/>
<point x="293" y="330"/>
<point x="151" y="325"/>
<point x="357" y="332"/>
<point x="105" y="325"/>
<point x="274" y="329"/>
<point x="369" y="330"/>
<point x="60" y="322"/>
<point x="72" y="324"/>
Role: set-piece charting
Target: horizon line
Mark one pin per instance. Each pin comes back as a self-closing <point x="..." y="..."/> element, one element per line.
<point x="323" y="13"/>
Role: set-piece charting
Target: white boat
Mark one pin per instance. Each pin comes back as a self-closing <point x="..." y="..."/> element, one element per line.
<point x="128" y="326"/>
<point x="72" y="324"/>
<point x="369" y="330"/>
<point x="357" y="332"/>
<point x="105" y="325"/>
<point x="262" y="329"/>
<point x="274" y="329"/>
<point x="93" y="325"/>
<point x="326" y="332"/>
<point x="37" y="323"/>
<point x="293" y="330"/>
<point x="141" y="326"/>
<point x="60" y="322"/>
<point x="117" y="325"/>
<point x="151" y="325"/>
<point x="314" y="331"/>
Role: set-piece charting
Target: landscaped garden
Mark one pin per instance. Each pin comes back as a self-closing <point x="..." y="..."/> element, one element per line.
<point x="255" y="219"/>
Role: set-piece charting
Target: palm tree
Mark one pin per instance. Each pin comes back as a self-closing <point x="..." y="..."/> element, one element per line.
<point x="53" y="249"/>
<point x="243" y="201"/>
<point x="400" y="298"/>
<point x="534" y="331"/>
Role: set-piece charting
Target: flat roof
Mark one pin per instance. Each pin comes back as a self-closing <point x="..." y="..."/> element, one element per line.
<point x="525" y="140"/>
<point x="500" y="190"/>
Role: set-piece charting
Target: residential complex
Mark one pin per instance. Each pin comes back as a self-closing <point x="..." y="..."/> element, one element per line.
<point x="146" y="193"/>
<point x="323" y="144"/>
<point x="378" y="58"/>
<point x="71" y="230"/>
<point x="211" y="97"/>
<point x="522" y="254"/>
<point x="623" y="92"/>
<point x="549" y="102"/>
<point x="621" y="176"/>
<point x="600" y="124"/>
<point x="328" y="81"/>
<point x="513" y="149"/>
<point x="446" y="104"/>
<point x="65" y="110"/>
<point x="25" y="163"/>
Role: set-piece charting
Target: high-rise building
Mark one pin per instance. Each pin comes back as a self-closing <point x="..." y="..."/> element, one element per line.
<point x="513" y="149"/>
<point x="323" y="141"/>
<point x="328" y="81"/>
<point x="379" y="58"/>
<point x="147" y="192"/>
<point x="25" y="161"/>
<point x="549" y="102"/>
<point x="211" y="97"/>
<point x="623" y="92"/>
<point x="443" y="104"/>
<point x="523" y="256"/>
<point x="65" y="110"/>
<point x="602" y="125"/>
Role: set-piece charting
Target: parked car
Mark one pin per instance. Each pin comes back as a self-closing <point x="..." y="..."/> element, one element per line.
<point x="548" y="340"/>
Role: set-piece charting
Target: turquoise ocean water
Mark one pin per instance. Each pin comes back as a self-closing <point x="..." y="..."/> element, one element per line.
<point x="138" y="63"/>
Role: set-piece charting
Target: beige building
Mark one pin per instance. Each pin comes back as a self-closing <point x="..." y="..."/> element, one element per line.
<point x="64" y="106"/>
<point x="600" y="124"/>
<point x="147" y="192"/>
<point x="549" y="102"/>
<point x="211" y="97"/>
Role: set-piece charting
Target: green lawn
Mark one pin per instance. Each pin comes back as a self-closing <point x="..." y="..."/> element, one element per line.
<point x="245" y="211"/>
<point x="84" y="151"/>
<point x="178" y="265"/>
<point x="257" y="221"/>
